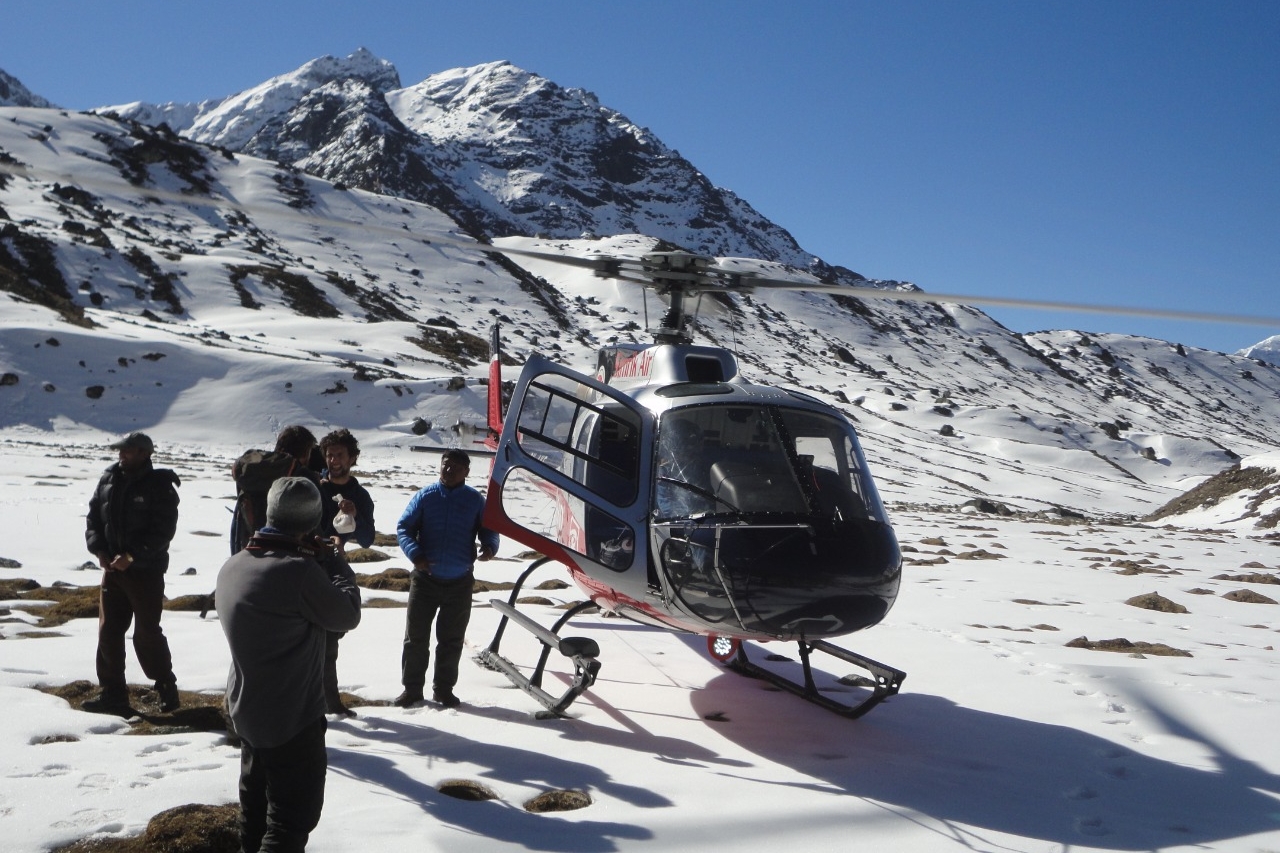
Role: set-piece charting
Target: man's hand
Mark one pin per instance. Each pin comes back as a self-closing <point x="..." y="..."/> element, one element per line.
<point x="349" y="507"/>
<point x="485" y="554"/>
<point x="421" y="565"/>
<point x="120" y="563"/>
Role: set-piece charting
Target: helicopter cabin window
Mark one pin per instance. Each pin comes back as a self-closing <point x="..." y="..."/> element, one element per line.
<point x="597" y="444"/>
<point x="553" y="512"/>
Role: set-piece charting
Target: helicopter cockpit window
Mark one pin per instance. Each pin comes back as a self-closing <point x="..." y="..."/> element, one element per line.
<point x="715" y="459"/>
<point x="684" y="470"/>
<point x="832" y="466"/>
<point x="760" y="459"/>
<point x="597" y="444"/>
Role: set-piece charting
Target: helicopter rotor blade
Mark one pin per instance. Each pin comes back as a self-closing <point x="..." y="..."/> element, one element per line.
<point x="721" y="280"/>
<point x="1009" y="302"/>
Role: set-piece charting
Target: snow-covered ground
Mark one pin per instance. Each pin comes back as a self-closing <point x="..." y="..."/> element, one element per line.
<point x="1003" y="737"/>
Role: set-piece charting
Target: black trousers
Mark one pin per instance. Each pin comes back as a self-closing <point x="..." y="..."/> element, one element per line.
<point x="332" y="695"/>
<point x="282" y="792"/>
<point x="447" y="603"/>
<point x="132" y="596"/>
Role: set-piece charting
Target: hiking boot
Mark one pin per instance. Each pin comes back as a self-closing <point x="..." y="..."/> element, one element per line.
<point x="410" y="696"/>
<point x="341" y="710"/>
<point x="109" y="702"/>
<point x="444" y="695"/>
<point x="169" y="699"/>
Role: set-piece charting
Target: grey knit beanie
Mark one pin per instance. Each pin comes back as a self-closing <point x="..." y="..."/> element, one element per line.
<point x="293" y="506"/>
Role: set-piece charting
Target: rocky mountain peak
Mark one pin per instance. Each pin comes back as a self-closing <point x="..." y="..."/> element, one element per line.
<point x="380" y="74"/>
<point x="552" y="161"/>
<point x="14" y="94"/>
<point x="241" y="122"/>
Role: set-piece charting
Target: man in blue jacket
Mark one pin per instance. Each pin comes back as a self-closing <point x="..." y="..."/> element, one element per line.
<point x="438" y="532"/>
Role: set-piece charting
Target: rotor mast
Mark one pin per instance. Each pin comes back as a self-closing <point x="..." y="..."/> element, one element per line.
<point x="676" y="275"/>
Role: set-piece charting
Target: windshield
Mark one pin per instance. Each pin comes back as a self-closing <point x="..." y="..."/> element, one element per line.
<point x="740" y="459"/>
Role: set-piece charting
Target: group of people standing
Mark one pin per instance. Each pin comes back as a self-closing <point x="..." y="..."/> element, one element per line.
<point x="284" y="599"/>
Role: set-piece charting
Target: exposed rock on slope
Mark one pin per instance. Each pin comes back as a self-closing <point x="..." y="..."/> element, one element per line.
<point x="1256" y="491"/>
<point x="14" y="94"/>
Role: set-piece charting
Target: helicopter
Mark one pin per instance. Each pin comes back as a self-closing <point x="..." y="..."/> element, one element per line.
<point x="681" y="496"/>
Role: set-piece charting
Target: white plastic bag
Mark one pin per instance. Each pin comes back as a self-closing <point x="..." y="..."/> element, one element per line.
<point x="343" y="523"/>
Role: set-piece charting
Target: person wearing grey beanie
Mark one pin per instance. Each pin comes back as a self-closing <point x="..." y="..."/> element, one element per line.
<point x="293" y="506"/>
<point x="277" y="599"/>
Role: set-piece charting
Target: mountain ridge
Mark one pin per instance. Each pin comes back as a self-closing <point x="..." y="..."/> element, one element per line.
<point x="204" y="247"/>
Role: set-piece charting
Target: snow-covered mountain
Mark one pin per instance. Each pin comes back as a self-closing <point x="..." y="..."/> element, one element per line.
<point x="147" y="257"/>
<point x="526" y="157"/>
<point x="1268" y="350"/>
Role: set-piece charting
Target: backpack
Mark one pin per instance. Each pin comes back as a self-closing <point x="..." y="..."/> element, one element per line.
<point x="254" y="472"/>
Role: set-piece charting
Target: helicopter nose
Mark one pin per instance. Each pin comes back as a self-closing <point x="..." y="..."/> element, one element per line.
<point x="783" y="581"/>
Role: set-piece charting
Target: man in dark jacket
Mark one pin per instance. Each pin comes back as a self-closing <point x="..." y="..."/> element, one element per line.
<point x="342" y="497"/>
<point x="438" y="532"/>
<point x="133" y="515"/>
<point x="342" y="492"/>
<point x="277" y="598"/>
<point x="254" y="472"/>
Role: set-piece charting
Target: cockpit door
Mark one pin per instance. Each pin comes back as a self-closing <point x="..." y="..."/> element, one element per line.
<point x="571" y="473"/>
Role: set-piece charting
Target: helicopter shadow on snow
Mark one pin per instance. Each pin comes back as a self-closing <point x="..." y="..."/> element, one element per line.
<point x="969" y="770"/>
<point x="627" y="735"/>
<point x="504" y="764"/>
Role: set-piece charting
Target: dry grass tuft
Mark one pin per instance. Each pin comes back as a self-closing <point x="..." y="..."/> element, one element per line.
<point x="1248" y="596"/>
<point x="394" y="580"/>
<point x="557" y="801"/>
<point x="69" y="602"/>
<point x="1155" y="601"/>
<point x="200" y="712"/>
<point x="193" y="828"/>
<point x="465" y="789"/>
<point x="367" y="555"/>
<point x="1120" y="644"/>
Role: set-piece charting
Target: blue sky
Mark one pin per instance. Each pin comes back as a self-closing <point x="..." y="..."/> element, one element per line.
<point x="1119" y="153"/>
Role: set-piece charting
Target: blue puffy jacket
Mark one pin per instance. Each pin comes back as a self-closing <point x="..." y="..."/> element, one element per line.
<point x="441" y="526"/>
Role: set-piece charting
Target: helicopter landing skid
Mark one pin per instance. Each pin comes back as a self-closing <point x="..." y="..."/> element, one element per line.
<point x="581" y="650"/>
<point x="885" y="680"/>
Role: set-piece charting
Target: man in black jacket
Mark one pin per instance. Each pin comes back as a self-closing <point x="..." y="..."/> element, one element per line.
<point x="277" y="598"/>
<point x="133" y="515"/>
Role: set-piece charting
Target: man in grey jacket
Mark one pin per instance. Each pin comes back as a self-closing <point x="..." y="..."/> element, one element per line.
<point x="276" y="600"/>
